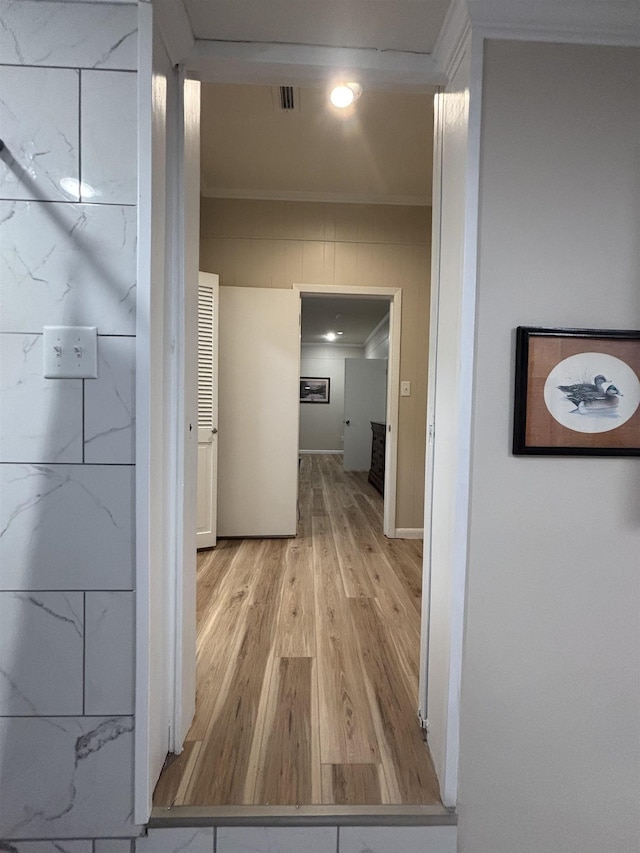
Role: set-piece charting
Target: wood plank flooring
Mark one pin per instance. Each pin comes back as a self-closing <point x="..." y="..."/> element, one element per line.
<point x="307" y="655"/>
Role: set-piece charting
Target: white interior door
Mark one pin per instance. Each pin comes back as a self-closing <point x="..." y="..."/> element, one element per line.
<point x="365" y="400"/>
<point x="207" y="409"/>
<point x="259" y="371"/>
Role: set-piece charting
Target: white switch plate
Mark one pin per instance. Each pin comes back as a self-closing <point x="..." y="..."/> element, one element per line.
<point x="405" y="388"/>
<point x="70" y="352"/>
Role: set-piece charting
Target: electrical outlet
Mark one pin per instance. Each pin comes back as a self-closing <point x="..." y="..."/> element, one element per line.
<point x="405" y="388"/>
<point x="70" y="352"/>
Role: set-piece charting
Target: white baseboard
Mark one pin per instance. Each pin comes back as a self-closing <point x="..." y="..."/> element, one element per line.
<point x="339" y="452"/>
<point x="409" y="533"/>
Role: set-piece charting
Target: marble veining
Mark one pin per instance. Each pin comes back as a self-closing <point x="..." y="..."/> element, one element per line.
<point x="40" y="419"/>
<point x="109" y="404"/>
<point x="37" y="502"/>
<point x="109" y="136"/>
<point x="96" y="739"/>
<point x="80" y="271"/>
<point x="40" y="128"/>
<point x="63" y="775"/>
<point x="109" y="672"/>
<point x="41" y="633"/>
<point x="79" y="35"/>
<point x="75" y="619"/>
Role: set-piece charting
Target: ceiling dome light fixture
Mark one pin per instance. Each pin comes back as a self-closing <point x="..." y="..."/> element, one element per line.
<point x="345" y="94"/>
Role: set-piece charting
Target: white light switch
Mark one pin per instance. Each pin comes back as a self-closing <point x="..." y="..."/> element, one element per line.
<point x="405" y="388"/>
<point x="70" y="352"/>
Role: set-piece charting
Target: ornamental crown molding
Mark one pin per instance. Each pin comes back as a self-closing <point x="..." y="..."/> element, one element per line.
<point x="453" y="38"/>
<point x="581" y="21"/>
<point x="614" y="22"/>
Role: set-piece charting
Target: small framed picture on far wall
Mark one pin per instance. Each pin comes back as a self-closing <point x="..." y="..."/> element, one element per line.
<point x="314" y="389"/>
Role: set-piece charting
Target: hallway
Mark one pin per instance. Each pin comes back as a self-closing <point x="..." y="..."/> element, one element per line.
<point x="307" y="656"/>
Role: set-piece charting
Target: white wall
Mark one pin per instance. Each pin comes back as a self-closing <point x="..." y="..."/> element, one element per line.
<point x="377" y="344"/>
<point x="550" y="692"/>
<point x="67" y="479"/>
<point x="321" y="426"/>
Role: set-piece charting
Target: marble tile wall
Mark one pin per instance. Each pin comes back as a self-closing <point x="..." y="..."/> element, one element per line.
<point x="68" y="193"/>
<point x="391" y="839"/>
<point x="296" y="839"/>
<point x="312" y="839"/>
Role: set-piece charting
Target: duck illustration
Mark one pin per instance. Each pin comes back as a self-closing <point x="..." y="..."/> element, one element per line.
<point x="600" y="402"/>
<point x="583" y="391"/>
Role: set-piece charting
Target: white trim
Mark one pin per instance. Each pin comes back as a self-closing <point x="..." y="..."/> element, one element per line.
<point x="268" y="63"/>
<point x="185" y="413"/>
<point x="173" y="423"/>
<point x="355" y="291"/>
<point x="409" y="532"/>
<point x="616" y="22"/>
<point x="311" y="452"/>
<point x="453" y="38"/>
<point x="209" y="191"/>
<point x="385" y="320"/>
<point x="393" y="416"/>
<point x="449" y="784"/>
<point x="434" y="329"/>
<point x="394" y="295"/>
<point x="330" y="346"/>
<point x="387" y="814"/>
<point x="142" y="784"/>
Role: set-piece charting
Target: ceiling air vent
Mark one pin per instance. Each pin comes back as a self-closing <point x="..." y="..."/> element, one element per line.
<point x="287" y="98"/>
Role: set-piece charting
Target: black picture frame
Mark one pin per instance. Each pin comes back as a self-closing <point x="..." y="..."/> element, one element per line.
<point x="565" y="401"/>
<point x="315" y="389"/>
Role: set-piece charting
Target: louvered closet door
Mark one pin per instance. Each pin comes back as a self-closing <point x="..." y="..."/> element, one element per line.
<point x="207" y="409"/>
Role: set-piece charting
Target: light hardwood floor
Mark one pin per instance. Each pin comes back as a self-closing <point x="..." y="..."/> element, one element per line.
<point x="307" y="654"/>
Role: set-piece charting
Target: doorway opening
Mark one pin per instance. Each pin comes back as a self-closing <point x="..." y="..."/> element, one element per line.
<point x="344" y="355"/>
<point x="273" y="678"/>
<point x="365" y="374"/>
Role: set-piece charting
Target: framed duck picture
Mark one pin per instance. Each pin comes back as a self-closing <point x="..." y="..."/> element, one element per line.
<point x="577" y="392"/>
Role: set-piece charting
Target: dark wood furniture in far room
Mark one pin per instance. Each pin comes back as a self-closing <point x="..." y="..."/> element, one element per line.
<point x="376" y="472"/>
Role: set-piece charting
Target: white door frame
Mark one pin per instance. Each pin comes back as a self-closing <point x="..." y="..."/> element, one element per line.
<point x="457" y="117"/>
<point x="168" y="239"/>
<point x="394" y="296"/>
<point x="184" y="48"/>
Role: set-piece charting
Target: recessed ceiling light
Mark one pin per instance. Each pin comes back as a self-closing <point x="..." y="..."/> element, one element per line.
<point x="345" y="94"/>
<point x="339" y="333"/>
